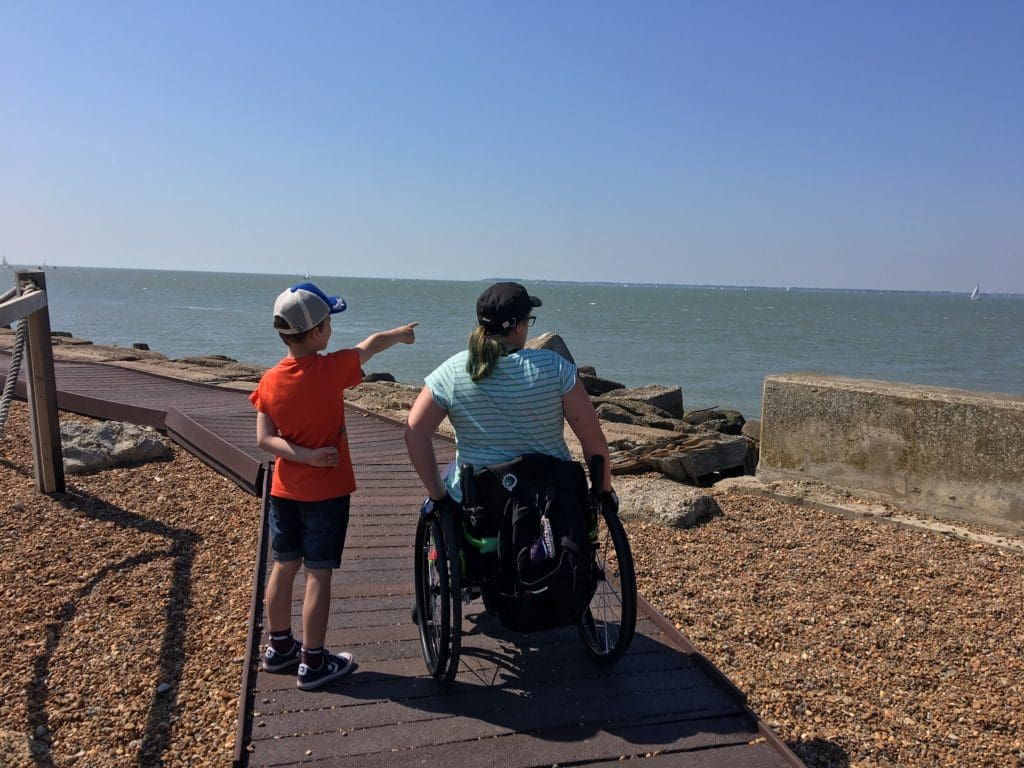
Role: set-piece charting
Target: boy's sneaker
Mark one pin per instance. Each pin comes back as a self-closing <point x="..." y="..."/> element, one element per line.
<point x="274" y="661"/>
<point x="333" y="667"/>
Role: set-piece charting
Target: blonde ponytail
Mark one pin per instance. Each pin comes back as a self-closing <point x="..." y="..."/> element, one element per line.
<point x="484" y="353"/>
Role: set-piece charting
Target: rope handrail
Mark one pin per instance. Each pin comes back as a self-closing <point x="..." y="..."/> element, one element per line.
<point x="17" y="352"/>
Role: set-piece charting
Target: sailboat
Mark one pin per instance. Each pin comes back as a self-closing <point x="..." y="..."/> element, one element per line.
<point x="975" y="294"/>
<point x="6" y="265"/>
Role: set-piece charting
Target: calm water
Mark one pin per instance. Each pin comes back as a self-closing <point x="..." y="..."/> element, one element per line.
<point x="718" y="344"/>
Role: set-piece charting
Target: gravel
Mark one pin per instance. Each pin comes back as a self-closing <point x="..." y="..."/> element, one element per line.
<point x="125" y="612"/>
<point x="860" y="643"/>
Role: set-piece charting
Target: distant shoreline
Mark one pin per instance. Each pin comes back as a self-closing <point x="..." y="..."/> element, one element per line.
<point x="547" y="281"/>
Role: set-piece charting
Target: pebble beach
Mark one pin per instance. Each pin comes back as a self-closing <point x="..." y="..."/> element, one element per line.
<point x="860" y="643"/>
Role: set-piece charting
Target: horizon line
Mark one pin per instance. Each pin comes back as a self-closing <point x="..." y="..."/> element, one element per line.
<point x="488" y="279"/>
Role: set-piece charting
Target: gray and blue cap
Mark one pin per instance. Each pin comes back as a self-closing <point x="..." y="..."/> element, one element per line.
<point x="304" y="306"/>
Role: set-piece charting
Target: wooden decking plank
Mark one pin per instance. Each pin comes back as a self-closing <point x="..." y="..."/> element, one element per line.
<point x="519" y="710"/>
<point x="402" y="701"/>
<point x="470" y="743"/>
<point x="552" y="663"/>
<point x="407" y="678"/>
<point x="756" y="755"/>
<point x="702" y="741"/>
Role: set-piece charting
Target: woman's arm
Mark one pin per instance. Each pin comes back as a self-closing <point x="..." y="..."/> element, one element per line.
<point x="268" y="439"/>
<point x="582" y="418"/>
<point x="425" y="417"/>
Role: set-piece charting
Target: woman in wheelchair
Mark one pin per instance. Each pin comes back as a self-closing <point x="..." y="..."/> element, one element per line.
<point x="513" y="517"/>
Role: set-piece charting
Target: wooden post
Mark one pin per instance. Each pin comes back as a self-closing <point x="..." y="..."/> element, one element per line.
<point x="48" y="459"/>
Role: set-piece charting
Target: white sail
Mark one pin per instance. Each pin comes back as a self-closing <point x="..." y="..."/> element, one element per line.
<point x="975" y="295"/>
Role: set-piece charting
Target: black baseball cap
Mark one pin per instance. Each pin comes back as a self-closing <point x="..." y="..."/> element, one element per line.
<point x="503" y="305"/>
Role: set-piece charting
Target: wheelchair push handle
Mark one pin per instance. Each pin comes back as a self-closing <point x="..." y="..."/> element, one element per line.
<point x="596" y="474"/>
<point x="468" y="482"/>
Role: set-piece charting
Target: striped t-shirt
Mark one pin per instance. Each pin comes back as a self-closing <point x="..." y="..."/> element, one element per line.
<point x="515" y="410"/>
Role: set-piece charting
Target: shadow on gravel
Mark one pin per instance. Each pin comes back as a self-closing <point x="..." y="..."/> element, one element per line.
<point x="156" y="734"/>
<point x="820" y="753"/>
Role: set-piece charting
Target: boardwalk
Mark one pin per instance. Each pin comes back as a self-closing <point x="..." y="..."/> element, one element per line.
<point x="518" y="700"/>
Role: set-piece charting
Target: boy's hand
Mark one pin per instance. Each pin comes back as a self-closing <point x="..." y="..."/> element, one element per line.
<point x="405" y="333"/>
<point x="382" y="340"/>
<point x="323" y="457"/>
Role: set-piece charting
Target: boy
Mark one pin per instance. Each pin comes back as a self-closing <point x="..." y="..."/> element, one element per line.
<point x="301" y="420"/>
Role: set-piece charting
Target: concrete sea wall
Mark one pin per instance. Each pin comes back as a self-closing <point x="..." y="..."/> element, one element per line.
<point x="948" y="453"/>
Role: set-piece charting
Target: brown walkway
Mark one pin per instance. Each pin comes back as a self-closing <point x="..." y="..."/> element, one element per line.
<point x="518" y="700"/>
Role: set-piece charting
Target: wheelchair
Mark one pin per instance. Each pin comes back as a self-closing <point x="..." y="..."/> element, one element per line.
<point x="463" y="550"/>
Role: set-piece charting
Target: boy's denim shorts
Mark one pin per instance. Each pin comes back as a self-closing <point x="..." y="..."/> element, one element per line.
<point x="313" y="531"/>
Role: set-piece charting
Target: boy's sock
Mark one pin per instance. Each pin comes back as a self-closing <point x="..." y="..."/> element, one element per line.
<point x="313" y="657"/>
<point x="282" y="642"/>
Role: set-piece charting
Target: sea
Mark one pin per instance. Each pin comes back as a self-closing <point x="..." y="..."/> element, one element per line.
<point x="718" y="343"/>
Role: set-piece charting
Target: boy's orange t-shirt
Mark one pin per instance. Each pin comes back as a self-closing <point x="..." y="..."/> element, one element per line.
<point x="304" y="398"/>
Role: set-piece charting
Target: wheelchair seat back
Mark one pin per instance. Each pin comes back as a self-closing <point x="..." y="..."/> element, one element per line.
<point x="539" y="508"/>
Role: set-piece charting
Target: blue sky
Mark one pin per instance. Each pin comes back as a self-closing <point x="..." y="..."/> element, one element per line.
<point x="857" y="144"/>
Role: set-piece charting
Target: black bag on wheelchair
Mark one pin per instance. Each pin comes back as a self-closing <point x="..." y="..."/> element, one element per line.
<point x="541" y="509"/>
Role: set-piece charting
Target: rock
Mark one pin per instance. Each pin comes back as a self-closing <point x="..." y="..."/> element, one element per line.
<point x="594" y="384"/>
<point x="613" y="412"/>
<point x="744" y="484"/>
<point x="384" y="397"/>
<point x="752" y="429"/>
<point x="553" y="342"/>
<point x="720" y="420"/>
<point x="657" y="500"/>
<point x="94" y="447"/>
<point x="633" y="412"/>
<point x="60" y="334"/>
<point x="667" y="399"/>
<point x="214" y="361"/>
<point x="372" y="377"/>
<point x="141" y="345"/>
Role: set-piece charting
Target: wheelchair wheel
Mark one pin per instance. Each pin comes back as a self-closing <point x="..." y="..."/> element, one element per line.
<point x="608" y="624"/>
<point x="438" y="595"/>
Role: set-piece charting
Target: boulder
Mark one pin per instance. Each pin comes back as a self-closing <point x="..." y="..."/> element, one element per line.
<point x="594" y="384"/>
<point x="660" y="501"/>
<point x="212" y="361"/>
<point x="633" y="412"/>
<point x="718" y="419"/>
<point x="94" y="447"/>
<point x="553" y="342"/>
<point x="667" y="399"/>
<point x="752" y="429"/>
<point x="372" y="377"/>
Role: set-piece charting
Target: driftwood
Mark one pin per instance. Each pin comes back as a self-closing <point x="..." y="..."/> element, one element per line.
<point x="686" y="458"/>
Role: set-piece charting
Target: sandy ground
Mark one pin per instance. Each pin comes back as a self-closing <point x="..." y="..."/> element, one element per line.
<point x="861" y="643"/>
